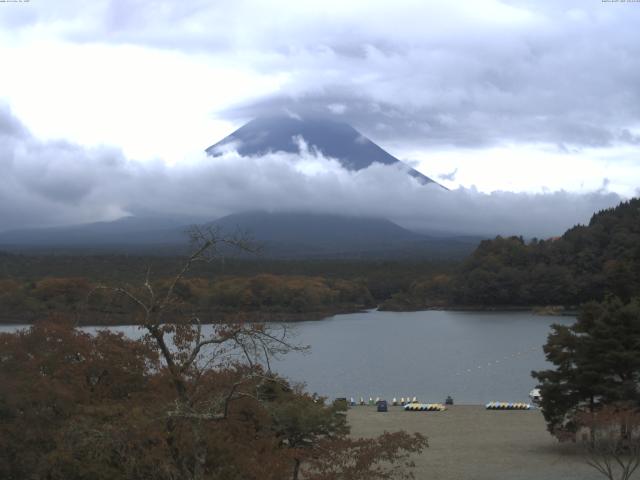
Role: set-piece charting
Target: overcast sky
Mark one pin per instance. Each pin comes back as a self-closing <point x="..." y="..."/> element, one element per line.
<point x="538" y="100"/>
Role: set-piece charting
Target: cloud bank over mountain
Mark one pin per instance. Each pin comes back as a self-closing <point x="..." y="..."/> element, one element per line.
<point x="469" y="73"/>
<point x="55" y="182"/>
<point x="527" y="86"/>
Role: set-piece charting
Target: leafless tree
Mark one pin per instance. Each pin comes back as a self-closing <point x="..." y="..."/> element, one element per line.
<point x="611" y="438"/>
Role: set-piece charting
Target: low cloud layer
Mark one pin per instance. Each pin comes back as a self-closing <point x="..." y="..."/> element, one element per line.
<point x="53" y="183"/>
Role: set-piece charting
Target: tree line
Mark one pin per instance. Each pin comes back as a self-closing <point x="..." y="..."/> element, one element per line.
<point x="381" y="277"/>
<point x="265" y="294"/>
<point x="586" y="263"/>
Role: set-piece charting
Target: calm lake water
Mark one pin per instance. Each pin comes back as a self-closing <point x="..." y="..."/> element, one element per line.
<point x="475" y="357"/>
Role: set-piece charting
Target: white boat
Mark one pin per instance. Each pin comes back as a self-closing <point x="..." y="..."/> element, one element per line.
<point x="535" y="395"/>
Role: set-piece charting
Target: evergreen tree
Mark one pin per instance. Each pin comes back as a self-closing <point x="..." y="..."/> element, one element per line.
<point x="597" y="363"/>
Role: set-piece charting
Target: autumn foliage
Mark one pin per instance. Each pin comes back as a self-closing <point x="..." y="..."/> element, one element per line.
<point x="81" y="406"/>
<point x="184" y="401"/>
<point x="265" y="296"/>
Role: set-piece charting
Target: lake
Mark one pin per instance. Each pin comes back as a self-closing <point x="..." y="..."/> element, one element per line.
<point x="475" y="357"/>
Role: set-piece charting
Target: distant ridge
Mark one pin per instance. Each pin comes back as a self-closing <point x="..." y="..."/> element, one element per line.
<point x="282" y="235"/>
<point x="316" y="229"/>
<point x="308" y="235"/>
<point x="333" y="138"/>
<point x="123" y="231"/>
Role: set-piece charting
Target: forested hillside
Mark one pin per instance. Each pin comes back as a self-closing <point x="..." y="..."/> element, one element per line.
<point x="586" y="263"/>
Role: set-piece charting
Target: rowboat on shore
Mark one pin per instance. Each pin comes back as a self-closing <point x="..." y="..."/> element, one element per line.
<point x="507" y="406"/>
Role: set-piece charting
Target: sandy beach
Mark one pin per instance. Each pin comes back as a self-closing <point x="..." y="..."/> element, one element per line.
<point x="471" y="443"/>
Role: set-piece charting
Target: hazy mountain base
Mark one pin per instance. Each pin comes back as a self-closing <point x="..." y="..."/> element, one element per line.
<point x="277" y="235"/>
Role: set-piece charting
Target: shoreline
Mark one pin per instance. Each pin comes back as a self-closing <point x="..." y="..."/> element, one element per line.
<point x="555" y="310"/>
<point x="112" y="319"/>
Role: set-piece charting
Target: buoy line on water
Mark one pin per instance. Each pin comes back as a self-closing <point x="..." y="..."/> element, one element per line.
<point x="404" y="401"/>
<point x="505" y="358"/>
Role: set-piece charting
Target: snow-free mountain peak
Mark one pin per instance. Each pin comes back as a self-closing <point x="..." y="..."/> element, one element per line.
<point x="333" y="138"/>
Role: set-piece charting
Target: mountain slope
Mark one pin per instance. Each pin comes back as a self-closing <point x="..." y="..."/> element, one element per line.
<point x="283" y="235"/>
<point x="333" y="138"/>
<point x="289" y="234"/>
<point x="316" y="228"/>
<point x="124" y="231"/>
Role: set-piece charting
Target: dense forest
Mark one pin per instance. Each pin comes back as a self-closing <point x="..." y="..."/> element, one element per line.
<point x="383" y="277"/>
<point x="586" y="263"/>
<point x="260" y="297"/>
<point x="262" y="288"/>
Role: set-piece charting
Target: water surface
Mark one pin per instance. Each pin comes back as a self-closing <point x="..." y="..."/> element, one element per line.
<point x="475" y="357"/>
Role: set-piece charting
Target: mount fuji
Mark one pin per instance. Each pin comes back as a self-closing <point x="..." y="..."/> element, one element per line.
<point x="335" y="139"/>
<point x="282" y="233"/>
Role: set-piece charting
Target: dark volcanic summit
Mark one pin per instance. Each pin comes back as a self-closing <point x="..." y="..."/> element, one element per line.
<point x="333" y="138"/>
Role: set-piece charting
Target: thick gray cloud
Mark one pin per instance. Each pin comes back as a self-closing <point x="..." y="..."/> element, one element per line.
<point x="421" y="73"/>
<point x="52" y="183"/>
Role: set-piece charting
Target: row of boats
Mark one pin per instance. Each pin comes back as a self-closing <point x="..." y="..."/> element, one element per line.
<point x="412" y="404"/>
<point x="508" y="406"/>
<point x="425" y="407"/>
<point x="395" y="402"/>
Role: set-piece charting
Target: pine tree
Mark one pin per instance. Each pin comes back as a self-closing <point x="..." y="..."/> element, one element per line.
<point x="597" y="363"/>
